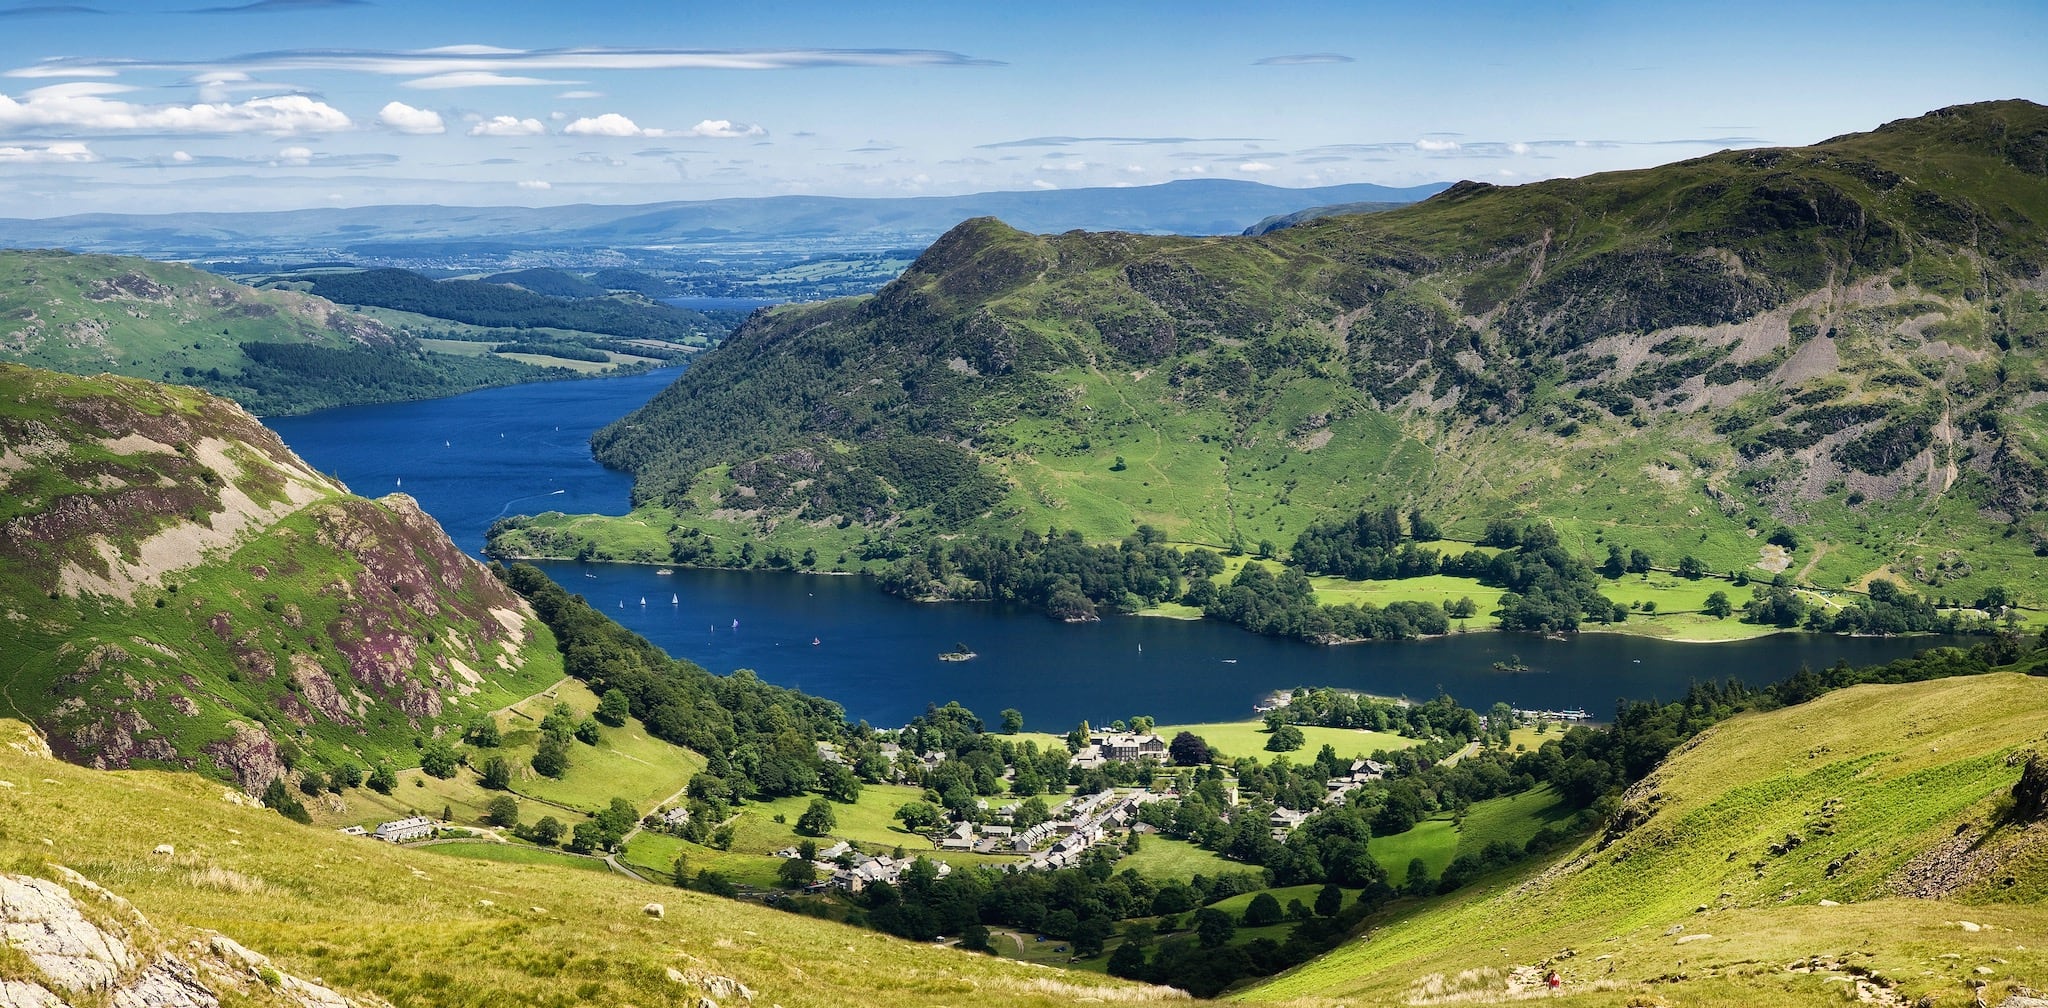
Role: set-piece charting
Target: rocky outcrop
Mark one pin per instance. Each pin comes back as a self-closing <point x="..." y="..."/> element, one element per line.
<point x="250" y="757"/>
<point x="99" y="951"/>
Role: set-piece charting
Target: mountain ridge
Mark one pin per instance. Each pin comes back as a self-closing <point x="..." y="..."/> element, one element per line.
<point x="1793" y="336"/>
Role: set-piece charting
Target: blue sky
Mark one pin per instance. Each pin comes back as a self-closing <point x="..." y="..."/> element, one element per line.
<point x="127" y="106"/>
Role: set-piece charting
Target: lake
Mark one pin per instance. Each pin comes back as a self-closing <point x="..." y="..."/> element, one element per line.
<point x="472" y="459"/>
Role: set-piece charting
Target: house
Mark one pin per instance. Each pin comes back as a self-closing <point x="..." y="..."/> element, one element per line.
<point x="401" y="830"/>
<point x="1119" y="747"/>
<point x="354" y="831"/>
<point x="1283" y="821"/>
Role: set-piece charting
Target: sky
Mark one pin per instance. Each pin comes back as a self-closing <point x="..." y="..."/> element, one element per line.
<point x="142" y="106"/>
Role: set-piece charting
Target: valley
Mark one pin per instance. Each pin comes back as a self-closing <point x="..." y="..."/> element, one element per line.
<point x="1623" y="589"/>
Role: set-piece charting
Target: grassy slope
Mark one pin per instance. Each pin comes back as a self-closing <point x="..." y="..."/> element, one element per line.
<point x="319" y="587"/>
<point x="1248" y="738"/>
<point x="448" y="932"/>
<point x="1885" y="772"/>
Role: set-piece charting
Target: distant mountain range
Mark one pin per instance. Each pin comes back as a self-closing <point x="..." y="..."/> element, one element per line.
<point x="570" y="235"/>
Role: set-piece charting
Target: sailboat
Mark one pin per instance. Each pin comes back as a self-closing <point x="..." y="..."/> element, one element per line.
<point x="675" y="600"/>
<point x="735" y="624"/>
<point x="643" y="601"/>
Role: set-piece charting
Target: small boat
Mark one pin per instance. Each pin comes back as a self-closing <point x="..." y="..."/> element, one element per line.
<point x="959" y="653"/>
<point x="643" y="601"/>
<point x="401" y="481"/>
<point x="447" y="444"/>
<point x="815" y="642"/>
<point x="1229" y="661"/>
<point x="735" y="624"/>
<point x="662" y="571"/>
<point x="675" y="600"/>
<point x="590" y="575"/>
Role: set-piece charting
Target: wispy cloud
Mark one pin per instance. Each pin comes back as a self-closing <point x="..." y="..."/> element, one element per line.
<point x="724" y="129"/>
<point x="47" y="10"/>
<point x="84" y="107"/>
<point x="56" y="153"/>
<point x="1255" y="167"/>
<point x="1120" y="141"/>
<point x="1303" y="59"/>
<point x="508" y="126"/>
<point x="274" y="6"/>
<point x="406" y="119"/>
<point x="491" y="59"/>
<point x="536" y="184"/>
<point x="481" y="78"/>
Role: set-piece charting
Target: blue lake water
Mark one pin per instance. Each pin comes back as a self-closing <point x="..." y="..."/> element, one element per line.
<point x="474" y="458"/>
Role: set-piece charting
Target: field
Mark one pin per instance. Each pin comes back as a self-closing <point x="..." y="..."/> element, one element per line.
<point x="1248" y="738"/>
<point x="1160" y="857"/>
<point x="1438" y="840"/>
<point x="626" y="763"/>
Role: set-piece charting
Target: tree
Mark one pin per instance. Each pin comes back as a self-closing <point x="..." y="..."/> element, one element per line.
<point x="1013" y="720"/>
<point x="503" y="811"/>
<point x="1128" y="961"/>
<point x="382" y="779"/>
<point x="1287" y="738"/>
<point x="818" y="819"/>
<point x="552" y="759"/>
<point x="437" y="759"/>
<point x="1717" y="605"/>
<point x="587" y="732"/>
<point x="613" y="707"/>
<point x="1329" y="900"/>
<point x="1264" y="909"/>
<point x="1189" y="749"/>
<point x="548" y="831"/>
<point x="1418" y="882"/>
<point x="795" y="873"/>
<point x="484" y="733"/>
<point x="1214" y="928"/>
<point x="497" y="773"/>
<point x="840" y="784"/>
<point x="918" y="816"/>
<point x="1089" y="935"/>
<point x="1690" y="568"/>
<point x="679" y="873"/>
<point x="586" y="837"/>
<point x="279" y="798"/>
<point x="1638" y="562"/>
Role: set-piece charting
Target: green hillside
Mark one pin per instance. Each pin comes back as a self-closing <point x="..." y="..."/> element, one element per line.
<point x="1861" y="840"/>
<point x="1844" y="340"/>
<point x="180" y="590"/>
<point x="415" y="929"/>
<point x="273" y="351"/>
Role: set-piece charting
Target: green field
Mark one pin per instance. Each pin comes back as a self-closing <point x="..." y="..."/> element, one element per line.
<point x="1437" y="840"/>
<point x="1160" y="857"/>
<point x="1248" y="738"/>
<point x="515" y="853"/>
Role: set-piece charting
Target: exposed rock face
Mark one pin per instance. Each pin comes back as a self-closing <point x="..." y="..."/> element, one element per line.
<point x="110" y="956"/>
<point x="251" y="757"/>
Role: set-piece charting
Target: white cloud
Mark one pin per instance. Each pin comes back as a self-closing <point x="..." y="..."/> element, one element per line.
<point x="1254" y="167"/>
<point x="56" y="153"/>
<point x="723" y="129"/>
<point x="1068" y="164"/>
<point x="1436" y="146"/>
<point x="406" y="119"/>
<point x="579" y="95"/>
<point x="1042" y="184"/>
<point x="84" y="107"/>
<point x="1134" y="169"/>
<point x="181" y="157"/>
<point x="508" y="126"/>
<point x="610" y="124"/>
<point x="1191" y="170"/>
<point x="1518" y="148"/>
<point x="480" y="78"/>
<point x="294" y="157"/>
<point x="535" y="184"/>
